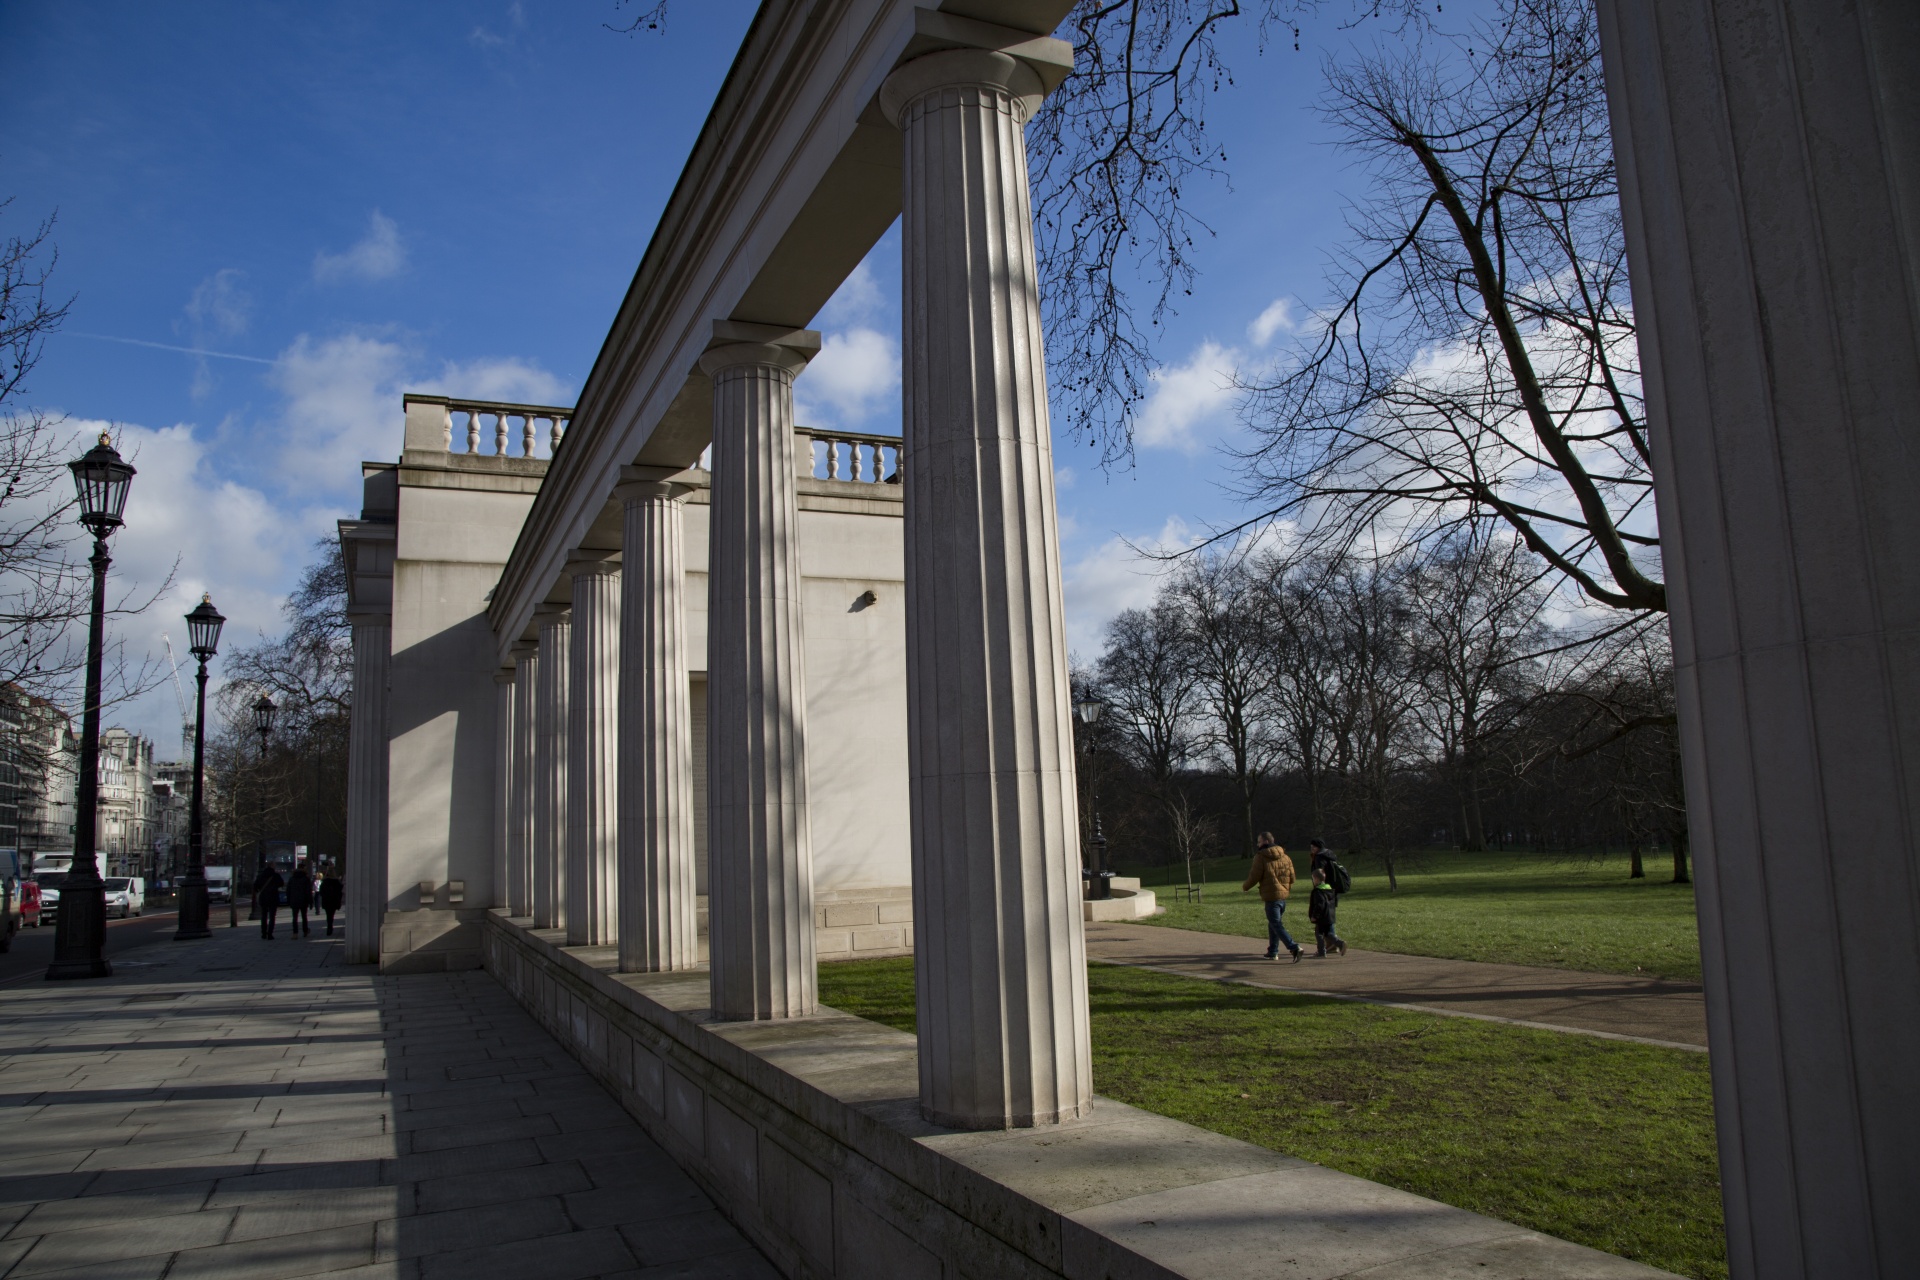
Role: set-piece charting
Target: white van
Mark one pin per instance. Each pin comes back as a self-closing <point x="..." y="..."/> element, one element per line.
<point x="219" y="884"/>
<point x="126" y="895"/>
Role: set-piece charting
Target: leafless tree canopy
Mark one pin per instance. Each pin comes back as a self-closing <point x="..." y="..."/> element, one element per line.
<point x="45" y="583"/>
<point x="1391" y="704"/>
<point x="1478" y="362"/>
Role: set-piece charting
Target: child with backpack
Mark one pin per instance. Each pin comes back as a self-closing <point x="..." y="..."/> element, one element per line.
<point x="1321" y="905"/>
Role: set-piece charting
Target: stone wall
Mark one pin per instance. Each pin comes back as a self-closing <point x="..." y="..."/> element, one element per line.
<point x="807" y="1134"/>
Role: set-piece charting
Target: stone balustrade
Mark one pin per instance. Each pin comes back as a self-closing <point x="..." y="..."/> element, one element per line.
<point x="485" y="428"/>
<point x="849" y="455"/>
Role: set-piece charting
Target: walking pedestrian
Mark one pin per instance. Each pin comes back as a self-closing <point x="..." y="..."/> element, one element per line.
<point x="266" y="896"/>
<point x="300" y="900"/>
<point x="1273" y="874"/>
<point x="1321" y="905"/>
<point x="332" y="893"/>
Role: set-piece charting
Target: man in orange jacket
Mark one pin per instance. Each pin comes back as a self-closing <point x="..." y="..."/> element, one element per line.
<point x="1273" y="872"/>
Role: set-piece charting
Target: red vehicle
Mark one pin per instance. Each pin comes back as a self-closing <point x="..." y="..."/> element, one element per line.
<point x="22" y="906"/>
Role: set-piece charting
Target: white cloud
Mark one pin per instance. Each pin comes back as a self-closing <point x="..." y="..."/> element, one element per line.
<point x="858" y="301"/>
<point x="856" y="374"/>
<point x="1117" y="575"/>
<point x="1277" y="318"/>
<point x="1186" y="398"/>
<point x="343" y="399"/>
<point x="378" y="255"/>
<point x="342" y="404"/>
<point x="510" y="381"/>
<point x="219" y="307"/>
<point x="210" y="534"/>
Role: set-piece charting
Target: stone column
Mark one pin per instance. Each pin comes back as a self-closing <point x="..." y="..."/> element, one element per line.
<point x="760" y="851"/>
<point x="1770" y="174"/>
<point x="526" y="734"/>
<point x="593" y="766"/>
<point x="657" y="906"/>
<point x="555" y="623"/>
<point x="366" y="845"/>
<point x="503" y="743"/>
<point x="1000" y="959"/>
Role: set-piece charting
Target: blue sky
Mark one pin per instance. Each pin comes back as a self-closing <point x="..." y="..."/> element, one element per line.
<point x="350" y="200"/>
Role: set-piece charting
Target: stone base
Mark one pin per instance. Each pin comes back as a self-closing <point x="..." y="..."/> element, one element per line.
<point x="808" y="1135"/>
<point x="863" y="924"/>
<point x="1129" y="902"/>
<point x="430" y="941"/>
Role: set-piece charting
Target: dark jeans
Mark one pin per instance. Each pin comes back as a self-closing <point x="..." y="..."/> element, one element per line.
<point x="330" y="911"/>
<point x="1277" y="935"/>
<point x="297" y="919"/>
<point x="268" y="910"/>
<point x="1324" y="936"/>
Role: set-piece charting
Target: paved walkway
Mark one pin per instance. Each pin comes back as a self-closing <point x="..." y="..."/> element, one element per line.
<point x="245" y="1109"/>
<point x="1651" y="1010"/>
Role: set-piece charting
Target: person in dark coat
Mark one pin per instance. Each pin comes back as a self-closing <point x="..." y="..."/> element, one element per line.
<point x="266" y="895"/>
<point x="300" y="900"/>
<point x="332" y="892"/>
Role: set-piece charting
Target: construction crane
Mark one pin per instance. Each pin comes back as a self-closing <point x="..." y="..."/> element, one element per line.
<point x="180" y="696"/>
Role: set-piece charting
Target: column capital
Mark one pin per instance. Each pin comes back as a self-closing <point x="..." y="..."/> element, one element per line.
<point x="505" y="675"/>
<point x="961" y="69"/>
<point x="550" y="612"/>
<point x="521" y="650"/>
<point x="583" y="561"/>
<point x="738" y="344"/>
<point x="363" y="615"/>
<point x="640" y="484"/>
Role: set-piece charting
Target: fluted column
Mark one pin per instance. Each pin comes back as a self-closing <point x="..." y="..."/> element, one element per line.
<point x="366" y="846"/>
<point x="555" y="624"/>
<point x="760" y="851"/>
<point x="1770" y="191"/>
<point x="593" y="767"/>
<point x="657" y="907"/>
<point x="1000" y="959"/>
<point x="526" y="736"/>
<point x="502" y="784"/>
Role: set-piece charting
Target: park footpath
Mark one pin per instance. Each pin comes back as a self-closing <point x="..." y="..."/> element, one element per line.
<point x="250" y="1109"/>
<point x="1672" y="1015"/>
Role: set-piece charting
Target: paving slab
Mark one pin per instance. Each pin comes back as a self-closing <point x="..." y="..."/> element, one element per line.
<point x="1649" y="1010"/>
<point x="249" y="1109"/>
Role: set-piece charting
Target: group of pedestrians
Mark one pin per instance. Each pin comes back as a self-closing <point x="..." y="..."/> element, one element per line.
<point x="301" y="890"/>
<point x="1273" y="875"/>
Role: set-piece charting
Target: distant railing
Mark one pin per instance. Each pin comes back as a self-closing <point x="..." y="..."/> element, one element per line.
<point x="850" y="455"/>
<point x="837" y="455"/>
<point x="509" y="430"/>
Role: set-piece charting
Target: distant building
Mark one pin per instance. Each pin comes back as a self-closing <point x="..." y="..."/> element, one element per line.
<point x="126" y="827"/>
<point x="39" y="769"/>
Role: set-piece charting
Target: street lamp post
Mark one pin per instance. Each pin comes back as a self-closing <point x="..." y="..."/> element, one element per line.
<point x="1099" y="875"/>
<point x="263" y="710"/>
<point x="80" y="936"/>
<point x="203" y="634"/>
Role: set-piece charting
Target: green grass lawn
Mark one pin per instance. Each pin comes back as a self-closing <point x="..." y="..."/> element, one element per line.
<point x="1521" y="908"/>
<point x="1602" y="1142"/>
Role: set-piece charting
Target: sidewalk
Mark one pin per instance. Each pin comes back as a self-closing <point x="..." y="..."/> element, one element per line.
<point x="1651" y="1010"/>
<point x="246" y="1109"/>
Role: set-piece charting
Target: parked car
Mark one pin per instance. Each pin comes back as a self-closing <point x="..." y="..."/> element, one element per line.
<point x="127" y="895"/>
<point x="49" y="883"/>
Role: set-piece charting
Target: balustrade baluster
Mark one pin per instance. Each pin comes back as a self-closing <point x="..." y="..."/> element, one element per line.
<point x="858" y="474"/>
<point x="446" y="430"/>
<point x="833" y="460"/>
<point x="559" y="430"/>
<point x="473" y="431"/>
<point x="499" y="435"/>
<point x="526" y="437"/>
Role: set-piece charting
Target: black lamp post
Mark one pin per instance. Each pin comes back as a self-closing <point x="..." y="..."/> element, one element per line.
<point x="203" y="641"/>
<point x="80" y="938"/>
<point x="263" y="710"/>
<point x="1099" y="876"/>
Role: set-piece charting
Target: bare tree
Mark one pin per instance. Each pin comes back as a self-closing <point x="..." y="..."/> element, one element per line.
<point x="1150" y="684"/>
<point x="1229" y="641"/>
<point x="1478" y="363"/>
<point x="1372" y="705"/>
<point x="1476" y="604"/>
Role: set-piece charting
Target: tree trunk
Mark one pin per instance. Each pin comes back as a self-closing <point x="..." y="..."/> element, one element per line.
<point x="1680" y="873"/>
<point x="1639" y="871"/>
